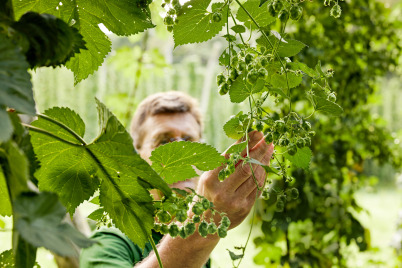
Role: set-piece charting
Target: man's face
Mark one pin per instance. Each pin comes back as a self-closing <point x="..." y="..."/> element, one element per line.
<point x="163" y="128"/>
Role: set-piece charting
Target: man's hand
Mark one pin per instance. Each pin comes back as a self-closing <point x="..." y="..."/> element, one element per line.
<point x="235" y="196"/>
<point x="237" y="193"/>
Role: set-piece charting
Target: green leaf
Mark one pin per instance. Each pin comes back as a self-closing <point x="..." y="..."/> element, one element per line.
<point x="174" y="161"/>
<point x="52" y="42"/>
<point x="65" y="169"/>
<point x="39" y="221"/>
<point x="304" y="68"/>
<point x="7" y="258"/>
<point x="2" y="224"/>
<point x="318" y="68"/>
<point x="237" y="148"/>
<point x="6" y="126"/>
<point x="15" y="168"/>
<point x="278" y="91"/>
<point x="15" y="81"/>
<point x="327" y="107"/>
<point x="239" y="29"/>
<point x="115" y="145"/>
<point x="285" y="48"/>
<point x="279" y="80"/>
<point x="126" y="178"/>
<point x="96" y="215"/>
<point x="5" y="204"/>
<point x="71" y="121"/>
<point x="241" y="89"/>
<point x="224" y="58"/>
<point x="234" y="256"/>
<point x="196" y="24"/>
<point x="267" y="169"/>
<point x="95" y="200"/>
<point x="234" y="127"/>
<point x="121" y="17"/>
<point x="259" y="13"/>
<point x="301" y="159"/>
<point x="76" y="168"/>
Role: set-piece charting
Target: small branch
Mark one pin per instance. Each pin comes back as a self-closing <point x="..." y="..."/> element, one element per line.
<point x="151" y="240"/>
<point x="249" y="235"/>
<point x="234" y="20"/>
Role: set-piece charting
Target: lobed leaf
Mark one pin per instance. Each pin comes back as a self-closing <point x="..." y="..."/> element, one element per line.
<point x="237" y="148"/>
<point x="123" y="17"/>
<point x="5" y="203"/>
<point x="73" y="169"/>
<point x="267" y="168"/>
<point x="327" y="107"/>
<point x="239" y="29"/>
<point x="304" y="68"/>
<point x="39" y="221"/>
<point x="284" y="48"/>
<point x="302" y="158"/>
<point x="258" y="12"/>
<point x="234" y="127"/>
<point x="174" y="161"/>
<point x="15" y="83"/>
<point x="196" y="24"/>
<point x="65" y="169"/>
<point x="96" y="215"/>
<point x="279" y="80"/>
<point x="241" y="89"/>
<point x="6" y="126"/>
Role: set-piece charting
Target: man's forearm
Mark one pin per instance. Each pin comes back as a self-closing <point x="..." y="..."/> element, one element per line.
<point x="191" y="252"/>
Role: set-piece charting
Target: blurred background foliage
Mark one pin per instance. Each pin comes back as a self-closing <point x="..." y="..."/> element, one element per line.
<point x="353" y="188"/>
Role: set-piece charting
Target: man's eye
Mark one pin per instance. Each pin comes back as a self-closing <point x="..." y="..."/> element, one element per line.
<point x="164" y="141"/>
<point x="187" y="138"/>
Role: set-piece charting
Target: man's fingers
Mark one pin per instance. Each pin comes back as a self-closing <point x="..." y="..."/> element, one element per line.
<point x="268" y="154"/>
<point x="254" y="137"/>
<point x="249" y="185"/>
<point x="260" y="150"/>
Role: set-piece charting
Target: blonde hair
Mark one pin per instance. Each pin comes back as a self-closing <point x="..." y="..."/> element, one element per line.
<point x="159" y="103"/>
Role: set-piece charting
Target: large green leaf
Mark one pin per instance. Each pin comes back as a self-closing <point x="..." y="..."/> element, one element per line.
<point x="260" y="14"/>
<point x="327" y="107"/>
<point x="123" y="17"/>
<point x="15" y="168"/>
<point x="196" y="24"/>
<point x="7" y="259"/>
<point x="39" y="221"/>
<point x="284" y="81"/>
<point x="302" y="157"/>
<point x="6" y="126"/>
<point x="241" y="89"/>
<point x="284" y="48"/>
<point x="67" y="168"/>
<point x="174" y="161"/>
<point x="235" y="126"/>
<point x="5" y="204"/>
<point x="52" y="42"/>
<point x="76" y="168"/>
<point x="15" y="81"/>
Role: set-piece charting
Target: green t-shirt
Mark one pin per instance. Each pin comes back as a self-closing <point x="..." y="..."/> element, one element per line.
<point x="115" y="249"/>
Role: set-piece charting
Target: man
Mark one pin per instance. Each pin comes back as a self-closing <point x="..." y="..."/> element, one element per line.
<point x="163" y="118"/>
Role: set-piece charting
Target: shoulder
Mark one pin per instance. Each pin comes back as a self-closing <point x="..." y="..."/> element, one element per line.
<point x="113" y="249"/>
